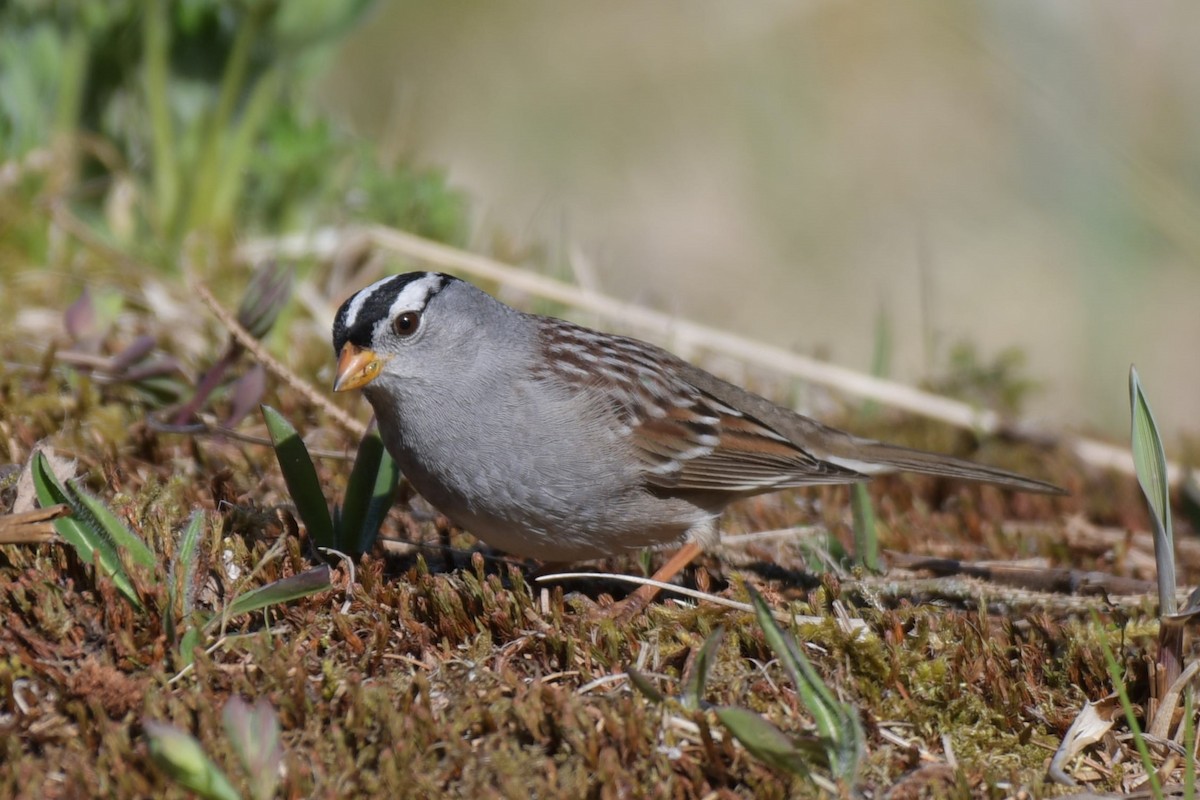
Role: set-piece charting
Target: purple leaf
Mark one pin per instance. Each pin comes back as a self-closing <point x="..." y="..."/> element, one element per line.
<point x="254" y="732"/>
<point x="138" y="349"/>
<point x="80" y="317"/>
<point x="267" y="294"/>
<point x="159" y="367"/>
<point x="248" y="392"/>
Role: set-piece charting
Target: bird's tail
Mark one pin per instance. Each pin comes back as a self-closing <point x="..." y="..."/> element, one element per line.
<point x="874" y="458"/>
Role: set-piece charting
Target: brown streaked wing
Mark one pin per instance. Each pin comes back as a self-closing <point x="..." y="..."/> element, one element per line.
<point x="747" y="458"/>
<point x="684" y="437"/>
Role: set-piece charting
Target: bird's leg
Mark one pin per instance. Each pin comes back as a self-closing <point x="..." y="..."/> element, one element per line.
<point x="636" y="603"/>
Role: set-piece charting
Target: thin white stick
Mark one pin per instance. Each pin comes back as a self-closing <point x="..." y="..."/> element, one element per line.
<point x="852" y="623"/>
<point x="687" y="336"/>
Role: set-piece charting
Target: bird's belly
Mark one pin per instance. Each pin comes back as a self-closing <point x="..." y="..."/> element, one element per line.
<point x="536" y="522"/>
<point x="551" y="482"/>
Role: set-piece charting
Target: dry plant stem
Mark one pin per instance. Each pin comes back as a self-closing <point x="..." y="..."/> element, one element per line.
<point x="636" y="603"/>
<point x="1160" y="726"/>
<point x="682" y="335"/>
<point x="273" y="366"/>
<point x="203" y="427"/>
<point x="31" y="527"/>
<point x="847" y="623"/>
<point x="1170" y="649"/>
<point x="688" y="336"/>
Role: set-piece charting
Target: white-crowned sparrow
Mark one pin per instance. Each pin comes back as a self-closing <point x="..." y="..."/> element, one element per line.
<point x="554" y="441"/>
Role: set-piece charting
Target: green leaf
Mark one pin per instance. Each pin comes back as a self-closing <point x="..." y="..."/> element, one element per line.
<point x="282" y="591"/>
<point x="126" y="540"/>
<point x="1151" y="464"/>
<point x="156" y="47"/>
<point x="837" y="723"/>
<point x="241" y="145"/>
<point x="813" y="691"/>
<point x="301" y="477"/>
<point x="181" y="757"/>
<point x="187" y="645"/>
<point x="697" y="676"/>
<point x="765" y="741"/>
<point x="881" y="356"/>
<point x="49" y="493"/>
<point x="186" y="556"/>
<point x="1148" y="455"/>
<point x="82" y="530"/>
<point x="383" y="497"/>
<point x="369" y="496"/>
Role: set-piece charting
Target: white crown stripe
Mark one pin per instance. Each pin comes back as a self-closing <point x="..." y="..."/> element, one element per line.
<point x="360" y="299"/>
<point x="416" y="294"/>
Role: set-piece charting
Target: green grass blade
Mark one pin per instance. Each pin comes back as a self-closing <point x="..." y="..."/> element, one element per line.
<point x="387" y="481"/>
<point x="82" y="531"/>
<point x="837" y="722"/>
<point x="183" y="759"/>
<point x="301" y="478"/>
<point x="697" y="676"/>
<point x="72" y="82"/>
<point x="1151" y="464"/>
<point x="179" y="581"/>
<point x="156" y="81"/>
<point x="281" y="591"/>
<point x="866" y="529"/>
<point x="881" y="357"/>
<point x="765" y="741"/>
<point x="207" y="170"/>
<point x="1135" y="730"/>
<point x="645" y="686"/>
<point x="369" y="495"/>
<point x="240" y="147"/>
<point x="187" y="546"/>
<point x="1189" y="743"/>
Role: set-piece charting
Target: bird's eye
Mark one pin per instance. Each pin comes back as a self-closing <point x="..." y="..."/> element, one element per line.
<point x="407" y="323"/>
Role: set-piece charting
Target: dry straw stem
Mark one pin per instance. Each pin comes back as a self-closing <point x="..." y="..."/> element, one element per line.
<point x="31" y="527"/>
<point x="686" y="336"/>
<point x="272" y="365"/>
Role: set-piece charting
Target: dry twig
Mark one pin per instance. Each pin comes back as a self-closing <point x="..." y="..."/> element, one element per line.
<point x="686" y="337"/>
<point x="274" y="366"/>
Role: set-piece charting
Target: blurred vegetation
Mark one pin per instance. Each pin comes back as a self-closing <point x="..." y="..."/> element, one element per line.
<point x="999" y="384"/>
<point x="142" y="140"/>
<point x="163" y="124"/>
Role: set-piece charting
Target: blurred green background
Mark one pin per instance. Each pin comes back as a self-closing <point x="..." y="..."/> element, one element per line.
<point x="1005" y="173"/>
<point x="1009" y="174"/>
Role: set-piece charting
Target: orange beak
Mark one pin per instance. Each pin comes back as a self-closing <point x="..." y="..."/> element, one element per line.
<point x="356" y="368"/>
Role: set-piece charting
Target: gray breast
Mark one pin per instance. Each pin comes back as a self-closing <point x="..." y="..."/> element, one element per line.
<point x="540" y="473"/>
